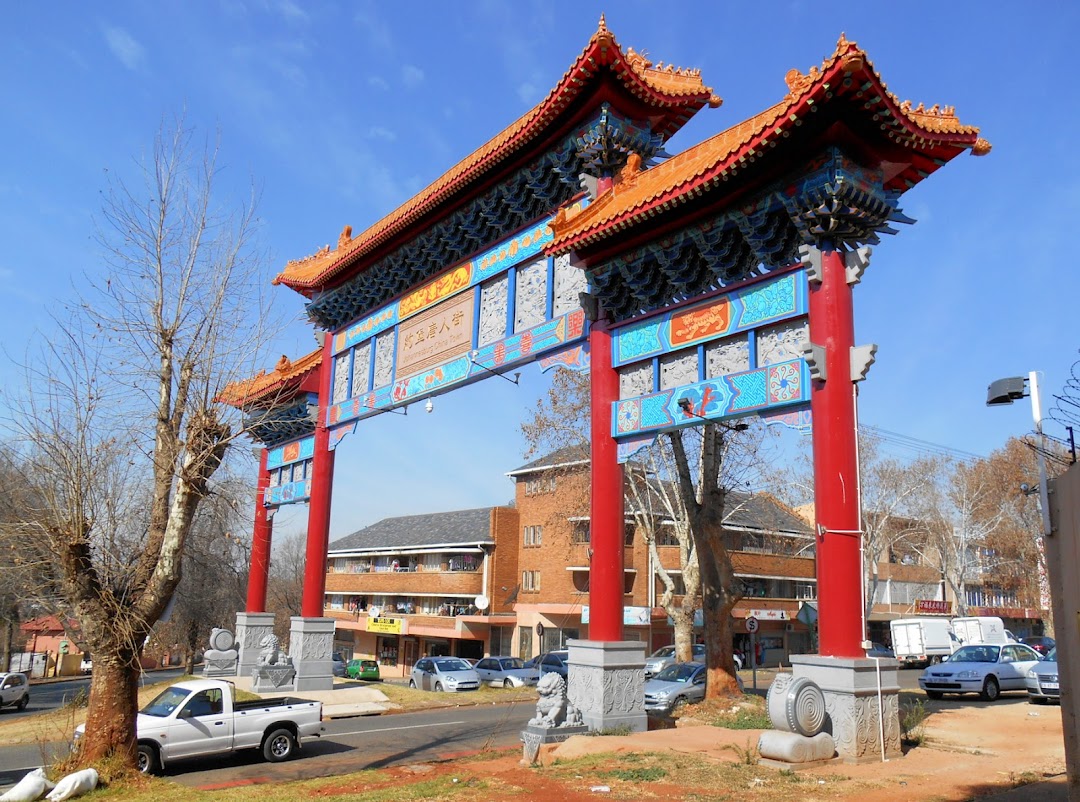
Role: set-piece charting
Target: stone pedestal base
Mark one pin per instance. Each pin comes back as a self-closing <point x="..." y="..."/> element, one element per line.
<point x="855" y="714"/>
<point x="311" y="645"/>
<point x="607" y="684"/>
<point x="534" y="737"/>
<point x="250" y="629"/>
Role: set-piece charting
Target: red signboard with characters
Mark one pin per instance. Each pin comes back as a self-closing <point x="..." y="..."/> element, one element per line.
<point x="933" y="607"/>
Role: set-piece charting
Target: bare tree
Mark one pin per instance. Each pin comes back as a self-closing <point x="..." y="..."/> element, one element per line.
<point x="285" y="586"/>
<point x="119" y="426"/>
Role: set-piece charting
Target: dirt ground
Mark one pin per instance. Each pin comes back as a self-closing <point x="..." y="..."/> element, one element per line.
<point x="969" y="749"/>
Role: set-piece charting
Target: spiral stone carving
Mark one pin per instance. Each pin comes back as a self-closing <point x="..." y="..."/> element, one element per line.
<point x="796" y="705"/>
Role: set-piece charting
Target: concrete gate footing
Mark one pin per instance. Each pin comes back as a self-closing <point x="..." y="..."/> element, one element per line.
<point x="311" y="647"/>
<point x="607" y="684"/>
<point x="862" y="704"/>
<point x="251" y="628"/>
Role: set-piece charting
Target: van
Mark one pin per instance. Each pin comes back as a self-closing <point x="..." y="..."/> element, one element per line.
<point x="981" y="629"/>
<point x="922" y="641"/>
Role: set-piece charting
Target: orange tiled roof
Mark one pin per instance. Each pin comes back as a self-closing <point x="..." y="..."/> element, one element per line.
<point x="285" y="375"/>
<point x="636" y="192"/>
<point x="665" y="87"/>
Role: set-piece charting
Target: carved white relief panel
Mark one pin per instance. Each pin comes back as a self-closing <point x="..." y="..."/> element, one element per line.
<point x="679" y="368"/>
<point x="384" y="358"/>
<point x="635" y="380"/>
<point x="493" y="305"/>
<point x="731" y="355"/>
<point x="361" y="368"/>
<point x="781" y="342"/>
<point x="530" y="295"/>
<point x="569" y="281"/>
<point x="341" y="378"/>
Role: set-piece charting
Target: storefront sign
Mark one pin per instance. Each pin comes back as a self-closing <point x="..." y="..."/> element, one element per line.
<point x="933" y="607"/>
<point x="631" y="616"/>
<point x="390" y="626"/>
<point x="768" y="615"/>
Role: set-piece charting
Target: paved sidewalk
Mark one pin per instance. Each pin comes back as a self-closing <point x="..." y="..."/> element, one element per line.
<point x="347" y="698"/>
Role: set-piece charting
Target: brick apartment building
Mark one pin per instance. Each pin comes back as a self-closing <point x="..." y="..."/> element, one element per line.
<point x="515" y="580"/>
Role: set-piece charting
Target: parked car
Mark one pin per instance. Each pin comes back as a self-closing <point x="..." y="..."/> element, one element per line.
<point x="444" y="674"/>
<point x="363" y="669"/>
<point x="14" y="691"/>
<point x="880" y="650"/>
<point x="338" y="664"/>
<point x="551" y="661"/>
<point x="201" y="717"/>
<point x="86" y="665"/>
<point x="507" y="672"/>
<point x="676" y="685"/>
<point x="1040" y="643"/>
<point x="665" y="656"/>
<point x="1042" y="680"/>
<point x="984" y="668"/>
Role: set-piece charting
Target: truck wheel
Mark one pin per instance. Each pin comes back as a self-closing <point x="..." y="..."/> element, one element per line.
<point x="934" y="694"/>
<point x="412" y="684"/>
<point x="279" y="745"/>
<point x="438" y="687"/>
<point x="991" y="690"/>
<point x="146" y="759"/>
<point x="23" y="702"/>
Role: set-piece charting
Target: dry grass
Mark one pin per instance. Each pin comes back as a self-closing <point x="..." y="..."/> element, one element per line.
<point x="745" y="712"/>
<point x="413" y="699"/>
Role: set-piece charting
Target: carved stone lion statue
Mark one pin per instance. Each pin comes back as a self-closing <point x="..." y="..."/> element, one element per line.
<point x="271" y="654"/>
<point x="552" y="708"/>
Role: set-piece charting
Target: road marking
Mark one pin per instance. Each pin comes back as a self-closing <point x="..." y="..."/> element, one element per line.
<point x="392" y="729"/>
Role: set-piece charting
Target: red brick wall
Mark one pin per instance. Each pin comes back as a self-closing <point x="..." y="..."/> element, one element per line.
<point x="504" y="559"/>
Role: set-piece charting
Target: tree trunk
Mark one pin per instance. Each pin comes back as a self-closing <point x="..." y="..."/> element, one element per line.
<point x="684" y="634"/>
<point x="718" y="599"/>
<point x="110" y="718"/>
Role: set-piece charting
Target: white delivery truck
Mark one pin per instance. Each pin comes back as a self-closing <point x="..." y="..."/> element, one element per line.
<point x="201" y="717"/>
<point x="981" y="629"/>
<point x="922" y="641"/>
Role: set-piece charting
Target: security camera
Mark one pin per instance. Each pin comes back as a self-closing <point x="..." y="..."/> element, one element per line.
<point x="1025" y="488"/>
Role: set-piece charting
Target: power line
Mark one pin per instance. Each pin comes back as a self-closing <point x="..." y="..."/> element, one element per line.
<point x="917" y="445"/>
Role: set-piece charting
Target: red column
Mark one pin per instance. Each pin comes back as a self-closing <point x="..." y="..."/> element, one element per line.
<point x="260" y="543"/>
<point x="836" y="477"/>
<point x="606" y="516"/>
<point x="322" y="482"/>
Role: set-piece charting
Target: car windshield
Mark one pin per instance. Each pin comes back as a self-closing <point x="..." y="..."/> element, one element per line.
<point x="511" y="663"/>
<point x="1051" y="655"/>
<point x="664" y="651"/>
<point x="166" y="701"/>
<point x="451" y="664"/>
<point x="975" y="654"/>
<point x="680" y="672"/>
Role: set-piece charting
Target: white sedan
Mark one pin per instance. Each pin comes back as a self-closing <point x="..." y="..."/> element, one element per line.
<point x="506" y="672"/>
<point x="983" y="668"/>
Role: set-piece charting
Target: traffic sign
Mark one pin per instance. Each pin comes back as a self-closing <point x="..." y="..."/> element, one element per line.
<point x="751" y="625"/>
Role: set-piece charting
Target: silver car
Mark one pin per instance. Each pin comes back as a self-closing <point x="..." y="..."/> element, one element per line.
<point x="1042" y="680"/>
<point x="983" y="668"/>
<point x="665" y="656"/>
<point x="444" y="674"/>
<point x="507" y="672"/>
<point x="677" y="685"/>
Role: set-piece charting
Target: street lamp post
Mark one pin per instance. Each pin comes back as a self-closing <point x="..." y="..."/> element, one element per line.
<point x="1060" y="551"/>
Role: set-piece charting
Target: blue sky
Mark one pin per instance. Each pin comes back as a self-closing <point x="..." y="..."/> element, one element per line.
<point x="341" y="111"/>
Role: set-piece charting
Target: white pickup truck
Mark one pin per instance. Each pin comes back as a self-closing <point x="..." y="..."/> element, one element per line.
<point x="201" y="717"/>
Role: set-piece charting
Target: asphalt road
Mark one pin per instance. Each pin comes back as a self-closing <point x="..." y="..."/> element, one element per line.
<point x="348" y="745"/>
<point x="51" y="694"/>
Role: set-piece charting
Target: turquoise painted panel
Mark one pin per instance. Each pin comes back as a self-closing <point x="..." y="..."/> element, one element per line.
<point x="291" y="493"/>
<point x="772" y="387"/>
<point x="289" y="453"/>
<point x="760" y="304"/>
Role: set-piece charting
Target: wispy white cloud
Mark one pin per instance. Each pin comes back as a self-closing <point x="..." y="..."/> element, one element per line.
<point x="412" y="76"/>
<point x="378" y="132"/>
<point x="377" y="33"/>
<point x="292" y="12"/>
<point x="377" y="82"/>
<point x="123" y="45"/>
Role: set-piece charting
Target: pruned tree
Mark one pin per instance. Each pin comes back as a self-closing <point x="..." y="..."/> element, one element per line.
<point x="118" y="426"/>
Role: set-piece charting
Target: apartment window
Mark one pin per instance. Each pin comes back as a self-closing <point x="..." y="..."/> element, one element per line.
<point x="580" y="533"/>
<point x="533" y="535"/>
<point x="530" y="580"/>
<point x="629" y="530"/>
<point x="678" y="585"/>
<point x="666" y="536"/>
<point x="805" y="590"/>
<point x="540" y="484"/>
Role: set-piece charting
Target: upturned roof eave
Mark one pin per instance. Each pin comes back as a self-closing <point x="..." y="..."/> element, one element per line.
<point x="587" y="74"/>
